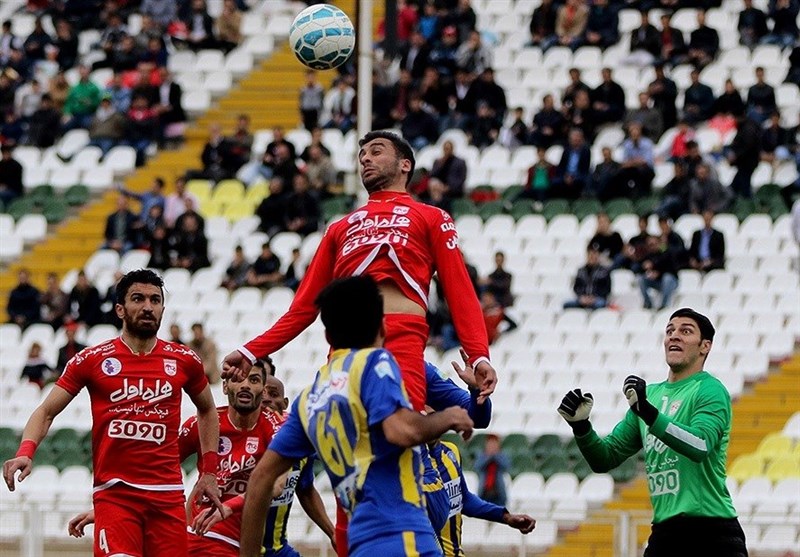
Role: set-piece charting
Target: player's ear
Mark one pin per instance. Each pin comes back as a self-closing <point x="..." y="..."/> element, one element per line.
<point x="286" y="402"/>
<point x="119" y="310"/>
<point x="225" y="387"/>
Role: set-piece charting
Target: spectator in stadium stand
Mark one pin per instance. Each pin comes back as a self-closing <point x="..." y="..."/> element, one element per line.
<point x="677" y="193"/>
<point x="82" y="101"/>
<point x="793" y="75"/>
<point x="575" y="84"/>
<point x="11" y="129"/>
<point x="119" y="93"/>
<point x="703" y="43"/>
<point x="608" y="100"/>
<point x="11" y="170"/>
<point x="603" y="180"/>
<point x="694" y="157"/>
<point x="571" y="23"/>
<point x="311" y="95"/>
<point x="497" y="321"/>
<point x="638" y="161"/>
<point x="205" y="348"/>
<point x="592" y="283"/>
<point x="24" y="306"/>
<point x="730" y="101"/>
<point x="169" y="107"/>
<point x="418" y="126"/>
<point x="283" y="164"/>
<point x="459" y="114"/>
<point x="673" y="242"/>
<point x="400" y="95"/>
<point x="191" y="211"/>
<point x="294" y="271"/>
<point x="59" y="91"/>
<point x="498" y="282"/>
<point x="111" y="39"/>
<point x="515" y="133"/>
<point x="272" y="208"/>
<point x="108" y="127"/>
<point x="775" y="140"/>
<point x="707" y="193"/>
<point x="199" y="26"/>
<point x="66" y="40"/>
<point x="8" y="41"/>
<point x="429" y="22"/>
<point x="707" y="249"/>
<point x="240" y="142"/>
<point x="175" y="203"/>
<point x="443" y="55"/>
<point x="36" y="369"/>
<point x="27" y="99"/>
<point x="53" y="302"/>
<point x="664" y="93"/>
<point x="464" y="18"/>
<point x="760" y="99"/>
<point x="645" y="43"/>
<point x="648" y="116"/>
<point x="491" y="465"/>
<point x="36" y="41"/>
<point x="414" y="57"/>
<point x="472" y="55"/>
<point x="163" y="12"/>
<point x="484" y="129"/>
<point x="154" y="196"/>
<point x="436" y="194"/>
<point x="109" y="302"/>
<point x="744" y="153"/>
<point x="190" y="244"/>
<point x="635" y="248"/>
<point x="783" y="14"/>
<point x="659" y="272"/>
<point x="121" y="232"/>
<point x="581" y="115"/>
<point x="175" y="334"/>
<point x="142" y="127"/>
<point x="302" y="211"/>
<point x="548" y="125"/>
<point x="572" y="172"/>
<point x="607" y="241"/>
<point x="673" y="46"/>
<point x="602" y="26"/>
<point x="229" y="24"/>
<point x="321" y="174"/>
<point x="752" y="25"/>
<point x="236" y="273"/>
<point x="451" y="170"/>
<point x="698" y="100"/>
<point x="316" y="141"/>
<point x="158" y="246"/>
<point x="69" y="349"/>
<point x="84" y="302"/>
<point x="543" y="25"/>
<point x="265" y="272"/>
<point x="337" y="106"/>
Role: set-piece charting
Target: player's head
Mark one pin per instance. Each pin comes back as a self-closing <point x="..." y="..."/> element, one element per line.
<point x="384" y="158"/>
<point x="247" y="395"/>
<point x="688" y="340"/>
<point x="275" y="395"/>
<point x="140" y="302"/>
<point x="352" y="312"/>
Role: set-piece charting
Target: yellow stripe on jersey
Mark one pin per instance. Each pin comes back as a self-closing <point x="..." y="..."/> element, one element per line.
<point x="450" y="536"/>
<point x="363" y="449"/>
<point x="410" y="544"/>
<point x="409" y="481"/>
<point x="280" y="524"/>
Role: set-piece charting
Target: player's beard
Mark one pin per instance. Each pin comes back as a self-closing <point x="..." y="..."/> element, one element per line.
<point x="379" y="179"/>
<point x="143" y="329"/>
<point x="242" y="407"/>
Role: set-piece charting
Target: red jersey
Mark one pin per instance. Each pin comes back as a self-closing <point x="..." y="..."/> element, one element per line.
<point x="392" y="239"/>
<point x="136" y="410"/>
<point x="239" y="452"/>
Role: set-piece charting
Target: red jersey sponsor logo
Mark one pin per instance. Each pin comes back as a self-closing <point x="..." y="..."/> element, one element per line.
<point x="148" y="391"/>
<point x="358" y="215"/>
<point x="111" y="366"/>
<point x="170" y="367"/>
<point x="373" y="225"/>
<point x="400" y="210"/>
<point x="251" y="445"/>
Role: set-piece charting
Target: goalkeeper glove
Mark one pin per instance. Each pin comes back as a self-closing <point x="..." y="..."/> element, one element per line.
<point x="635" y="389"/>
<point x="575" y="409"/>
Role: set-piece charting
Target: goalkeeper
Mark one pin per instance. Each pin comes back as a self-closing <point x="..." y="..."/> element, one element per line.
<point x="685" y="440"/>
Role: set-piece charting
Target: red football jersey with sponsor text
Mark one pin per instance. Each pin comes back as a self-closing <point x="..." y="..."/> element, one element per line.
<point x="136" y="410"/>
<point x="396" y="239"/>
<point x="239" y="452"/>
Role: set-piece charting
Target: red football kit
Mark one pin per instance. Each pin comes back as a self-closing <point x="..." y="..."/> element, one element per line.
<point x="136" y="412"/>
<point x="239" y="452"/>
<point x="395" y="239"/>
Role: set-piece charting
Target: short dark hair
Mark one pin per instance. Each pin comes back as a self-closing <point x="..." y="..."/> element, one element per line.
<point x="352" y="311"/>
<point x="401" y="147"/>
<point x="703" y="323"/>
<point x="138" y="276"/>
<point x="263" y="363"/>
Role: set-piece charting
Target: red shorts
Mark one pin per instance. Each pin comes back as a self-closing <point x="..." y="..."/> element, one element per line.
<point x="206" y="546"/>
<point x="135" y="522"/>
<point x="406" y="337"/>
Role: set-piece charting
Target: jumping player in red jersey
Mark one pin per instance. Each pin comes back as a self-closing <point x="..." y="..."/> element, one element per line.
<point x="400" y="243"/>
<point x="134" y="383"/>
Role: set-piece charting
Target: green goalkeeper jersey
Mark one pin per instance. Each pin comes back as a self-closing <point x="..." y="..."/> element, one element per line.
<point x="685" y="448"/>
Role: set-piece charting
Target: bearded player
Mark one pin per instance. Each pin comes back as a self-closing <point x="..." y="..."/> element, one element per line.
<point x="134" y="383"/>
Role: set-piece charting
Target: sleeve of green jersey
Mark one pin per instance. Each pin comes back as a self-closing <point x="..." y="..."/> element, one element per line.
<point x="609" y="452"/>
<point x="710" y="420"/>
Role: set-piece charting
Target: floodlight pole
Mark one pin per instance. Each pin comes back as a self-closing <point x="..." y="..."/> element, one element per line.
<point x="364" y="89"/>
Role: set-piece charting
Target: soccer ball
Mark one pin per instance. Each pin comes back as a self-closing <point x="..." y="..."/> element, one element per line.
<point x="322" y="37"/>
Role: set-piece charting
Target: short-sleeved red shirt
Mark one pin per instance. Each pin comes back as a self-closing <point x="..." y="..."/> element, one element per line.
<point x="136" y="410"/>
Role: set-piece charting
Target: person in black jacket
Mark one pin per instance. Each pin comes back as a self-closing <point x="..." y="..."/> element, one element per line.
<point x="543" y="25"/>
<point x="84" y="302"/>
<point x="44" y="125"/>
<point x="664" y="93"/>
<point x="707" y="250"/>
<point x="673" y="46"/>
<point x="200" y="27"/>
<point x="415" y="56"/>
<point x="70" y="348"/>
<point x="703" y="43"/>
<point x="121" y="233"/>
<point x="698" y="100"/>
<point x="10" y="176"/>
<point x="572" y="172"/>
<point x="645" y="40"/>
<point x="548" y="125"/>
<point x="24" y="301"/>
<point x="608" y="100"/>
<point x="592" y="284"/>
<point x="190" y="244"/>
<point x="659" y="272"/>
<point x="302" y="208"/>
<point x="752" y="25"/>
<point x="272" y="208"/>
<point x="744" y="154"/>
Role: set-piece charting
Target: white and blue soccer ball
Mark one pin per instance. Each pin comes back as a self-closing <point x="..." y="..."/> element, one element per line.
<point x="322" y="37"/>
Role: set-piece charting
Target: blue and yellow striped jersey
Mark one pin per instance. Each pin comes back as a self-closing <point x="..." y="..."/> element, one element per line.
<point x="339" y="417"/>
<point x="301" y="475"/>
<point x="446" y="458"/>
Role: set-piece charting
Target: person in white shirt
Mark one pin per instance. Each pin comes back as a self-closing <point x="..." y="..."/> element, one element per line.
<point x="175" y="204"/>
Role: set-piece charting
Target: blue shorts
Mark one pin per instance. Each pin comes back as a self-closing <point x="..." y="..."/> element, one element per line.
<point x="286" y="551"/>
<point x="403" y="544"/>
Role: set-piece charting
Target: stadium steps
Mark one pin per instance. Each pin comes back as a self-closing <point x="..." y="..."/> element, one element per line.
<point x="760" y="411"/>
<point x="269" y="94"/>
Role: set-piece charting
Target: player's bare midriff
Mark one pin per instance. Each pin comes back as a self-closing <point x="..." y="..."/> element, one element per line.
<point x="394" y="301"/>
